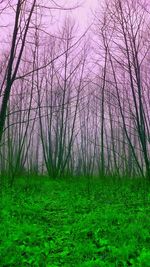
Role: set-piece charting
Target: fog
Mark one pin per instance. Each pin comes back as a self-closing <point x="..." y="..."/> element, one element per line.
<point x="74" y="91"/>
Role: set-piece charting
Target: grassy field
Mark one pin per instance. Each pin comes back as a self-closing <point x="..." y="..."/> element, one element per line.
<point x="75" y="222"/>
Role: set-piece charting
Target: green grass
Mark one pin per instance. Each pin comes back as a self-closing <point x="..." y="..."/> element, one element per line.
<point x="75" y="222"/>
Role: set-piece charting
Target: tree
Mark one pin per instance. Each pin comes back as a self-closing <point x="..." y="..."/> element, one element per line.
<point x="127" y="48"/>
<point x="17" y="48"/>
<point x="23" y="30"/>
<point x="62" y="86"/>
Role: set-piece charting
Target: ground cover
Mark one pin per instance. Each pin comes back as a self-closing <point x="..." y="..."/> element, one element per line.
<point x="75" y="222"/>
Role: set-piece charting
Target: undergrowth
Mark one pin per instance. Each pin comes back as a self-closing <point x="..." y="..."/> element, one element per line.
<point x="75" y="222"/>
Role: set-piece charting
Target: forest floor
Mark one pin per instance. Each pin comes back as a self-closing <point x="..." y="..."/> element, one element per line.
<point x="75" y="222"/>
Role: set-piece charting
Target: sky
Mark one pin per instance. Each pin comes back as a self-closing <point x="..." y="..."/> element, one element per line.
<point x="83" y="14"/>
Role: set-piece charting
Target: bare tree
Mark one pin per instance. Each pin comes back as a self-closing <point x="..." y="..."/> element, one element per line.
<point x="127" y="49"/>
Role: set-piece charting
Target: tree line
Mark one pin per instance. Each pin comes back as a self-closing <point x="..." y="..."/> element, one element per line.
<point x="73" y="106"/>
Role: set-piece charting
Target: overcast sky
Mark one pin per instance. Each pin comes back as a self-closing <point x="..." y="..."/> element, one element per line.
<point x="83" y="14"/>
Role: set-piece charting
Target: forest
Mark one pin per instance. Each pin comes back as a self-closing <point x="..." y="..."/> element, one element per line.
<point x="74" y="134"/>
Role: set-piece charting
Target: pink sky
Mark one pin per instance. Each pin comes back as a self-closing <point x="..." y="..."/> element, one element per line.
<point x="83" y="14"/>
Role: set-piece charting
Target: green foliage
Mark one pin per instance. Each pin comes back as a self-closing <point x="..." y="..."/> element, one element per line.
<point x="50" y="223"/>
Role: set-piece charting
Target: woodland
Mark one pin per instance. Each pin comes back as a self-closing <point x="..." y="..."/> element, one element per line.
<point x="74" y="135"/>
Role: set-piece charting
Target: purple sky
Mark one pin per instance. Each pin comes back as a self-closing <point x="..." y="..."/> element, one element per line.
<point x="83" y="14"/>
